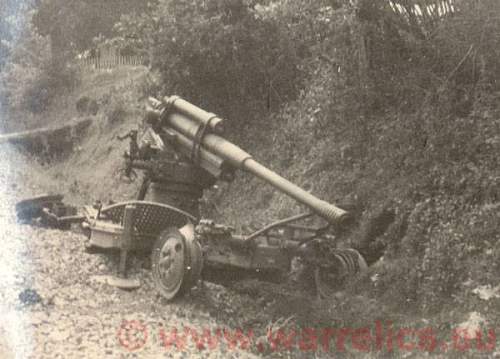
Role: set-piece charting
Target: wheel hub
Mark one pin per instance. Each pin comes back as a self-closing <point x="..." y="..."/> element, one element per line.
<point x="176" y="263"/>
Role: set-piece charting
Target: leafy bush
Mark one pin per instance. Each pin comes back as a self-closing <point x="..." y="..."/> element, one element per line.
<point x="31" y="78"/>
<point x="24" y="69"/>
<point x="223" y="55"/>
<point x="395" y="117"/>
<point x="118" y="105"/>
<point x="116" y="110"/>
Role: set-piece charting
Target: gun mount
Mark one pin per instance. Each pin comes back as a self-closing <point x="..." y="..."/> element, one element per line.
<point x="182" y="153"/>
<point x="196" y="133"/>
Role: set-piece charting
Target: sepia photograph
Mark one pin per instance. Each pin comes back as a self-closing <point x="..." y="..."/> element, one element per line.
<point x="249" y="179"/>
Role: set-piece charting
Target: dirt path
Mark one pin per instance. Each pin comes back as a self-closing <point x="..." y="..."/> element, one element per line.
<point x="54" y="304"/>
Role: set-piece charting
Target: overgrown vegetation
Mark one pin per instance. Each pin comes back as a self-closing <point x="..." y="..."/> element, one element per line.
<point x="39" y="42"/>
<point x="227" y="55"/>
<point x="31" y="78"/>
<point x="364" y="105"/>
<point x="386" y="112"/>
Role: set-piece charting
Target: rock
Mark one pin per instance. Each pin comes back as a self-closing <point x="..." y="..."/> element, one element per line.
<point x="487" y="292"/>
<point x="29" y="297"/>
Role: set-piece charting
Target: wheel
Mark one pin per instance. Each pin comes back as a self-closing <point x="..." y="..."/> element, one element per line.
<point x="176" y="263"/>
<point x="345" y="266"/>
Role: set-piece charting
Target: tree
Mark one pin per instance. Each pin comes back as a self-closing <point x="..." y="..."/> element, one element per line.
<point x="13" y="15"/>
<point x="72" y="25"/>
<point x="220" y="54"/>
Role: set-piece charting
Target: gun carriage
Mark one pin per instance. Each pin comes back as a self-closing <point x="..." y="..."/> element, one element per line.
<point x="182" y="154"/>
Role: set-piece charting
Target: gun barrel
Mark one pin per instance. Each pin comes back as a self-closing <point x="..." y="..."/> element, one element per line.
<point x="238" y="158"/>
<point x="210" y="162"/>
<point x="326" y="210"/>
<point x="186" y="108"/>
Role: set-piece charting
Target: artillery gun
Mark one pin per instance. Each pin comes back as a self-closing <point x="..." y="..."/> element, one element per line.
<point x="182" y="154"/>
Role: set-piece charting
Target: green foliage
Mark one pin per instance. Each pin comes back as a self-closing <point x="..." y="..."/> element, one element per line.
<point x="395" y="117"/>
<point x="116" y="110"/>
<point x="447" y="58"/>
<point x="223" y="55"/>
<point x="119" y="104"/>
<point x="133" y="34"/>
<point x="13" y="13"/>
<point x="449" y="244"/>
<point x="31" y="78"/>
<point x="72" y="25"/>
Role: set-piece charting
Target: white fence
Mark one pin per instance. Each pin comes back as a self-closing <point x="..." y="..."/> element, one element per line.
<point x="109" y="62"/>
<point x="423" y="11"/>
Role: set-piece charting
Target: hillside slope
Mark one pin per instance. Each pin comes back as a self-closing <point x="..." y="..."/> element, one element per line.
<point x="440" y="245"/>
